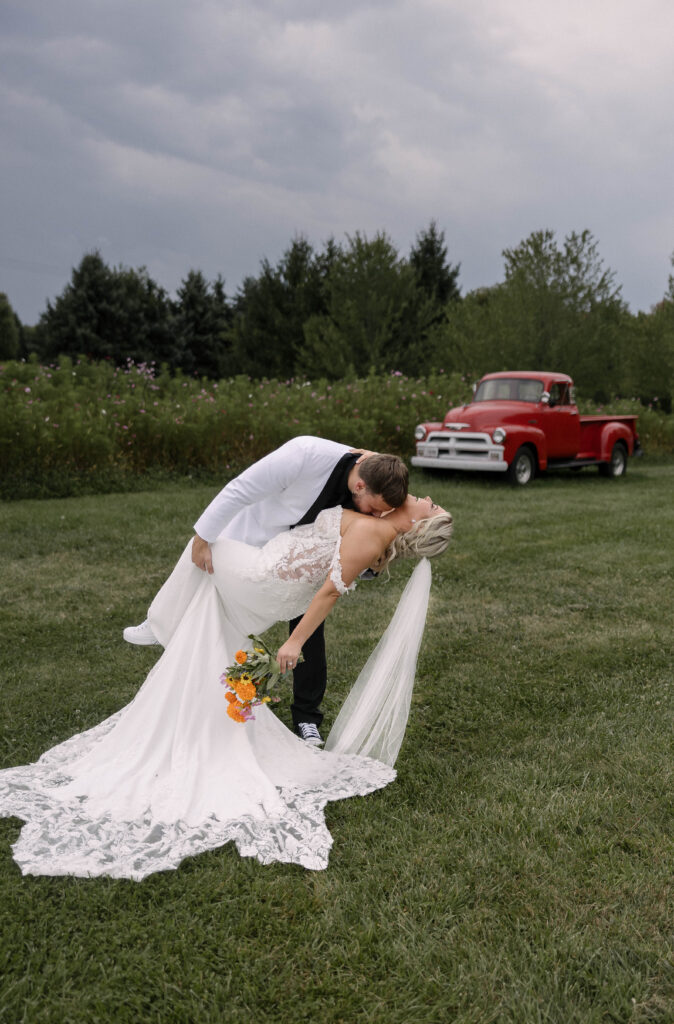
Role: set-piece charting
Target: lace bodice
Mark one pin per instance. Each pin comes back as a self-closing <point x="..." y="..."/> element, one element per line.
<point x="307" y="554"/>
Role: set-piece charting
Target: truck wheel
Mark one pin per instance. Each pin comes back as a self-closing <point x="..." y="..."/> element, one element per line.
<point x="523" y="467"/>
<point x="617" y="466"/>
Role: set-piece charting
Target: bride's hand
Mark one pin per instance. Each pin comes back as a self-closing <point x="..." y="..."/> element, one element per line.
<point x="201" y="554"/>
<point x="363" y="452"/>
<point x="288" y="655"/>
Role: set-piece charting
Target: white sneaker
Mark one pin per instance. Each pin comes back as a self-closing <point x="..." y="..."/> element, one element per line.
<point x="142" y="635"/>
<point x="308" y="731"/>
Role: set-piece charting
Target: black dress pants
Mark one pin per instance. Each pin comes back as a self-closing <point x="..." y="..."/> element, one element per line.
<point x="310" y="678"/>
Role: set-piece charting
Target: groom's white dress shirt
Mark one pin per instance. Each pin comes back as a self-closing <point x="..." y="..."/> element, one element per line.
<point x="269" y="497"/>
<point x="272" y="494"/>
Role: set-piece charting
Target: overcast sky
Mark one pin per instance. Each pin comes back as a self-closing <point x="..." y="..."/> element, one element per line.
<point x="207" y="134"/>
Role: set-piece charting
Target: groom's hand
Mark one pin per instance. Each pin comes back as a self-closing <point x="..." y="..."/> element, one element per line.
<point x="201" y="554"/>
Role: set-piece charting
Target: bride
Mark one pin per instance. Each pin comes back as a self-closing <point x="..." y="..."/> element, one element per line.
<point x="171" y="775"/>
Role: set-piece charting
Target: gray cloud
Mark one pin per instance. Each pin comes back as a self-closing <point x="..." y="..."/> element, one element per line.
<point x="178" y="135"/>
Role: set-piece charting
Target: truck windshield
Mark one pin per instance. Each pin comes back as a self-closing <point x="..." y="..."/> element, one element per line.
<point x="509" y="389"/>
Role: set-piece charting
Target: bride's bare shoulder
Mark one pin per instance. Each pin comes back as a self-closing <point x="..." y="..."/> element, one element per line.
<point x="358" y="525"/>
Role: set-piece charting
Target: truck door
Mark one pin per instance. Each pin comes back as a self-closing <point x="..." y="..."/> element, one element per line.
<point x="561" y="423"/>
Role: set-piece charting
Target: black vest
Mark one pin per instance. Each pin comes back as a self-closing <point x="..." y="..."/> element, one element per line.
<point x="336" y="490"/>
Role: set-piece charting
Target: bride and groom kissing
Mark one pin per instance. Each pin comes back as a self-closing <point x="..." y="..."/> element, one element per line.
<point x="171" y="775"/>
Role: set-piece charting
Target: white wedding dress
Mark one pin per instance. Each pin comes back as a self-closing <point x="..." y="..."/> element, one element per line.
<point x="171" y="775"/>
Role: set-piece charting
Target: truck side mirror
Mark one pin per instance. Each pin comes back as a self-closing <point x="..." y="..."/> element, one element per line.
<point x="545" y="397"/>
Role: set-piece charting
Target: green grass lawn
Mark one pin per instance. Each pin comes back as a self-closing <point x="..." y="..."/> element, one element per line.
<point x="520" y="869"/>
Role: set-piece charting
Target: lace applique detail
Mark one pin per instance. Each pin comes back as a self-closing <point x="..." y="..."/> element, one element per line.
<point x="308" y="554"/>
<point x="305" y="554"/>
<point x="336" y="572"/>
<point x="63" y="839"/>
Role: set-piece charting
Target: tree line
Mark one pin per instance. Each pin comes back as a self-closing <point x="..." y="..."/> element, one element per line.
<point x="358" y="306"/>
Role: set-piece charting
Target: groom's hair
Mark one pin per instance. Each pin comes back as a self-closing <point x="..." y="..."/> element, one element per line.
<point x="387" y="476"/>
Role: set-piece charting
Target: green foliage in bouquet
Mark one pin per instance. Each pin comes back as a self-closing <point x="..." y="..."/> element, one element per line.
<point x="254" y="672"/>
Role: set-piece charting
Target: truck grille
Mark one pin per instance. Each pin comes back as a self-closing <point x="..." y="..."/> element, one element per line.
<point x="475" y="445"/>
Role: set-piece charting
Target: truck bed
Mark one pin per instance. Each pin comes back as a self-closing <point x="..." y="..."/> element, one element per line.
<point x="609" y="418"/>
<point x="590" y="444"/>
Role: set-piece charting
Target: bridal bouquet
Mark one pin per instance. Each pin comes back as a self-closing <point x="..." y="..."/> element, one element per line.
<point x="254" y="672"/>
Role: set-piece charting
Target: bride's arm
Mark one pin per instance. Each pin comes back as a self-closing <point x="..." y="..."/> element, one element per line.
<point x="362" y="544"/>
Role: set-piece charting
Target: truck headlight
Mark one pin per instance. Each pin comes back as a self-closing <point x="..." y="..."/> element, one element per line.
<point x="498" y="435"/>
<point x="420" y="432"/>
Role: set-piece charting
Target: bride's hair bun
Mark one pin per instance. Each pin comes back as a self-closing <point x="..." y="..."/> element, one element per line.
<point x="427" y="538"/>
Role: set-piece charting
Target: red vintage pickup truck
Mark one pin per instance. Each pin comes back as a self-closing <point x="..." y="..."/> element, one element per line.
<point x="522" y="422"/>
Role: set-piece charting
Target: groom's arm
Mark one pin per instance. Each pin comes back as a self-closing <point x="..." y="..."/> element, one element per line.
<point x="270" y="476"/>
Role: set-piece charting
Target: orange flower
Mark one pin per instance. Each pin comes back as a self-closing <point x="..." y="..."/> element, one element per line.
<point x="241" y="657"/>
<point x="231" y="697"/>
<point x="233" y="710"/>
<point x="246" y="691"/>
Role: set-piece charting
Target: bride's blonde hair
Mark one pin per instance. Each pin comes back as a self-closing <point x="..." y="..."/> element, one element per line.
<point x="427" y="538"/>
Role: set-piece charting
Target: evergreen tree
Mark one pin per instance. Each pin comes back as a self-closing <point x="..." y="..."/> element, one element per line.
<point x="200" y="325"/>
<point x="368" y="290"/>
<point x="436" y="298"/>
<point x="114" y="314"/>
<point x="434" y="275"/>
<point x="9" y="330"/>
<point x="270" y="311"/>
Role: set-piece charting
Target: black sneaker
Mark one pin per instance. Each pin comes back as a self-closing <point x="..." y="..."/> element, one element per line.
<point x="309" y="733"/>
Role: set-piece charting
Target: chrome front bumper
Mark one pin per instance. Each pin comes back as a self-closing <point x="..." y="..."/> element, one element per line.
<point x="458" y="450"/>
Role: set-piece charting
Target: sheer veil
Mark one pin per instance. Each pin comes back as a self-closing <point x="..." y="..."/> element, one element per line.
<point x="374" y="715"/>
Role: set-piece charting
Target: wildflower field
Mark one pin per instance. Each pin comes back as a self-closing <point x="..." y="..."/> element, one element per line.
<point x="83" y="427"/>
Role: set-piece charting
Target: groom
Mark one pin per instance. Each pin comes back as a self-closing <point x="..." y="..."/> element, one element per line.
<point x="288" y="488"/>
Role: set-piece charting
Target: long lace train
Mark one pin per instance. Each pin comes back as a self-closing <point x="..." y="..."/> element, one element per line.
<point x="170" y="775"/>
<point x="64" y="839"/>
